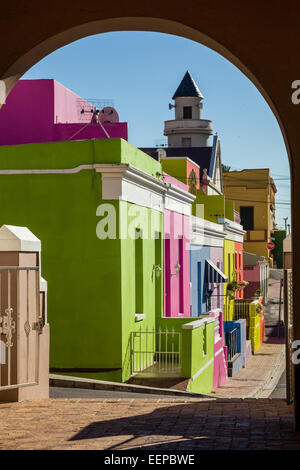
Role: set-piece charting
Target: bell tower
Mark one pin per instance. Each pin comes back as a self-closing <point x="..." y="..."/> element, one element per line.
<point x="188" y="129"/>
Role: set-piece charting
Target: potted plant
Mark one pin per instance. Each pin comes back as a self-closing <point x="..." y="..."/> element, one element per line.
<point x="258" y="292"/>
<point x="232" y="286"/>
<point x="243" y="284"/>
<point x="259" y="308"/>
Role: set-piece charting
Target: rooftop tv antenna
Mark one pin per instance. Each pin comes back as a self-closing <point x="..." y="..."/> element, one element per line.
<point x="88" y="111"/>
<point x="86" y="107"/>
<point x="161" y="142"/>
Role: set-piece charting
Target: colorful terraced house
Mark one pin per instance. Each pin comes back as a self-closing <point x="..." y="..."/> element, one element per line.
<point x="105" y="287"/>
<point x="167" y="281"/>
<point x="104" y="282"/>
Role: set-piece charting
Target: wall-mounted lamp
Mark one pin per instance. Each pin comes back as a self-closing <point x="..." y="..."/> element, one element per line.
<point x="177" y="268"/>
<point x="157" y="270"/>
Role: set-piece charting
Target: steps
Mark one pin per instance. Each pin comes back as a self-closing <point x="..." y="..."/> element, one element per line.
<point x="235" y="364"/>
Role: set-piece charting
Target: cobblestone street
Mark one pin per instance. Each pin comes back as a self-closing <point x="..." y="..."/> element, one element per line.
<point x="148" y="424"/>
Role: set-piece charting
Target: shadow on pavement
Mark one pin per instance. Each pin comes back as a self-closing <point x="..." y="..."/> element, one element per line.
<point x="256" y="424"/>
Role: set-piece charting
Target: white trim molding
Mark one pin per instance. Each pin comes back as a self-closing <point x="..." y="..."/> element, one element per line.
<point x="197" y="323"/>
<point x="233" y="230"/>
<point x="204" y="232"/>
<point x="125" y="182"/>
<point x="128" y="183"/>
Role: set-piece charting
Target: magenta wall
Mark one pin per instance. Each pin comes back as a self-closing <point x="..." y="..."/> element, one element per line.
<point x="45" y="111"/>
<point x="220" y="357"/>
<point x="177" y="250"/>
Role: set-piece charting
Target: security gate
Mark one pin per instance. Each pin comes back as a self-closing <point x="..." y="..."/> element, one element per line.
<point x="20" y="326"/>
<point x="289" y="332"/>
<point x="156" y="352"/>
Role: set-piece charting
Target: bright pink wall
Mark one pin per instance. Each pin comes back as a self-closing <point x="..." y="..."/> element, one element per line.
<point x="177" y="250"/>
<point x="63" y="132"/>
<point x="34" y="106"/>
<point x="67" y="105"/>
<point x="171" y="180"/>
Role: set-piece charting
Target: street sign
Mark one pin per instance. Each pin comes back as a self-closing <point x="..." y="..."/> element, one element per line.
<point x="270" y="245"/>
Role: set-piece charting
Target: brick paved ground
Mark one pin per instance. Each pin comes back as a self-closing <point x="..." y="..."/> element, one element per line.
<point x="165" y="424"/>
<point x="252" y="378"/>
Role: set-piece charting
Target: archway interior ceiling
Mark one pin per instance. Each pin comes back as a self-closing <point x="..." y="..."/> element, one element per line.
<point x="250" y="34"/>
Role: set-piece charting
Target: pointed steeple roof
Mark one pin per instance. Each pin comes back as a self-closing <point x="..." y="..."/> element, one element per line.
<point x="187" y="88"/>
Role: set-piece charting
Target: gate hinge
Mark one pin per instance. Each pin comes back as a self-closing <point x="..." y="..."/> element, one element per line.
<point x="39" y="325"/>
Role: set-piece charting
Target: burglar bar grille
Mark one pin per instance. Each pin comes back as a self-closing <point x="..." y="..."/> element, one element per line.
<point x="156" y="352"/>
<point x="231" y="343"/>
<point x="19" y="326"/>
<point x="241" y="309"/>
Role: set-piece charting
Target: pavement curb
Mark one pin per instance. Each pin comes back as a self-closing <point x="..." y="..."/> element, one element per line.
<point x="92" y="384"/>
<point x="272" y="376"/>
<point x="78" y="382"/>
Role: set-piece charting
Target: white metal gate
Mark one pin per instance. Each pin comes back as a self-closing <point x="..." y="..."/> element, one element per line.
<point x="20" y="326"/>
<point x="156" y="352"/>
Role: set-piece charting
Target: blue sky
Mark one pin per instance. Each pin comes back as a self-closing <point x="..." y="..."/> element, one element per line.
<point x="140" y="71"/>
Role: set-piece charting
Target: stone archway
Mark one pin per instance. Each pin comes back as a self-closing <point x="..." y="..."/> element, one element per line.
<point x="262" y="41"/>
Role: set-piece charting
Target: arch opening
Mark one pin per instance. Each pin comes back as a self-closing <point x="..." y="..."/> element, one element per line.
<point x="132" y="24"/>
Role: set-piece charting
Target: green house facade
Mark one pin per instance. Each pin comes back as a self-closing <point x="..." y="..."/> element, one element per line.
<point x="98" y="208"/>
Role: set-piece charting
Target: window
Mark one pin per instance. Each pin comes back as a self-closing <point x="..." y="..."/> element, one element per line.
<point x="181" y="278"/>
<point x="139" y="281"/>
<point x="199" y="287"/>
<point x="218" y="288"/>
<point x="186" y="141"/>
<point x="168" y="275"/>
<point x="158" y="272"/>
<point x="247" y="217"/>
<point x="187" y="112"/>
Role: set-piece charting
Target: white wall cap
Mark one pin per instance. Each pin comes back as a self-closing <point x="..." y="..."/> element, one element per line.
<point x="14" y="238"/>
<point x="43" y="285"/>
<point x="197" y="323"/>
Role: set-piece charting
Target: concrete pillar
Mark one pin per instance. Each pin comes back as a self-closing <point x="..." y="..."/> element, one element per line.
<point x="24" y="332"/>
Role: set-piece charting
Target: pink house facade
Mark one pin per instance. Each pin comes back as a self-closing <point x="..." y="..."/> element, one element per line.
<point x="220" y="351"/>
<point x="177" y="252"/>
<point x="39" y="111"/>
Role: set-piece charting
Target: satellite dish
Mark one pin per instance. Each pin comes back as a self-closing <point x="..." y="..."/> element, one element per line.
<point x="172" y="106"/>
<point x="108" y="114"/>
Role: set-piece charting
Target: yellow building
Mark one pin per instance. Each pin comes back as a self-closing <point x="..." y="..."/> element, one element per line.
<point x="253" y="192"/>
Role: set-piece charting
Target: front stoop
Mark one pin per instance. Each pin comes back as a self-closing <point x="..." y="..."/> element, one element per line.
<point x="235" y="364"/>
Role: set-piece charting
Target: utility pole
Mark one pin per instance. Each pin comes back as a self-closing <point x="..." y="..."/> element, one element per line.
<point x="285" y="223"/>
